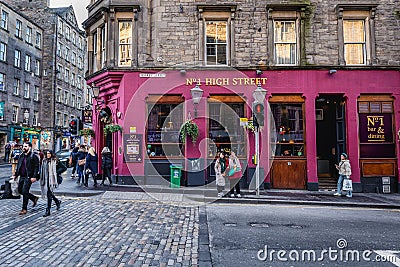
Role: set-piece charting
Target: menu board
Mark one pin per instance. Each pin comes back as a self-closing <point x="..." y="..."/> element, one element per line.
<point x="133" y="147"/>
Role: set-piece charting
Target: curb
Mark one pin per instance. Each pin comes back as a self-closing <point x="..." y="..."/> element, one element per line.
<point x="71" y="194"/>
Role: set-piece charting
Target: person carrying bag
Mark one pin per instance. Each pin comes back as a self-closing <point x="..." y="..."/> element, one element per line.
<point x="344" y="182"/>
<point x="234" y="174"/>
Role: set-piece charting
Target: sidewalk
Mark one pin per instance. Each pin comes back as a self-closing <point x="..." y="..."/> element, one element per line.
<point x="208" y="195"/>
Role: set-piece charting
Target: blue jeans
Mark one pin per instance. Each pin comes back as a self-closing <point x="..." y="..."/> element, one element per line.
<point x="340" y="185"/>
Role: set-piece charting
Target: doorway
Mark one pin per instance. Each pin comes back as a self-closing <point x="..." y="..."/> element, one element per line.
<point x="331" y="138"/>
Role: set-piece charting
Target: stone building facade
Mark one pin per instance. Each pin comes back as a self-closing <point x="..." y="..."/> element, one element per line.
<point x="21" y="49"/>
<point x="329" y="68"/>
<point x="64" y="61"/>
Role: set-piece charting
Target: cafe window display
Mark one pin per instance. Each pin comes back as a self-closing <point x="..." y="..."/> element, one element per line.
<point x="289" y="129"/>
<point x="163" y="125"/>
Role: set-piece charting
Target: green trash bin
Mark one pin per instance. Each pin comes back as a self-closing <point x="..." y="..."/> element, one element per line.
<point x="176" y="172"/>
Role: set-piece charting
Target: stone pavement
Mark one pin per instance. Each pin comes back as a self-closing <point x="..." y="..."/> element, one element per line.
<point x="99" y="232"/>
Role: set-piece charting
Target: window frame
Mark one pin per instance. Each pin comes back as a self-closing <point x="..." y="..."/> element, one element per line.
<point x="296" y="42"/>
<point x="18" y="29"/>
<point x="4" y="20"/>
<point x="38" y="40"/>
<point x="28" y="62"/>
<point x="28" y="36"/>
<point x="364" y="12"/>
<point x="17" y="60"/>
<point x="129" y="51"/>
<point x="3" y="51"/>
<point x="15" y="113"/>
<point x="16" y="86"/>
<point x="36" y="90"/>
<point x="3" y="81"/>
<point x="27" y="89"/>
<point x="217" y="44"/>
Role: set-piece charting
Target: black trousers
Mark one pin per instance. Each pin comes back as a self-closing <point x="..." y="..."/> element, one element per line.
<point x="107" y="174"/>
<point x="234" y="184"/>
<point x="50" y="197"/>
<point x="24" y="186"/>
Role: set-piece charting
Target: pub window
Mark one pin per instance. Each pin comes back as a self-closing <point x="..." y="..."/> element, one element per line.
<point x="216" y="42"/>
<point x="224" y="127"/>
<point x="356" y="34"/>
<point x="289" y="126"/>
<point x="165" y="117"/>
<point x="125" y="43"/>
<point x="285" y="42"/>
<point x="377" y="138"/>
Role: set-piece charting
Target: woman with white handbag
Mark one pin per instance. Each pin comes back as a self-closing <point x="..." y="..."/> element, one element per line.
<point x="344" y="169"/>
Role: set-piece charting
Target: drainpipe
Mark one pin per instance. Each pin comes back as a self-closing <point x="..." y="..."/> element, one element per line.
<point x="149" y="30"/>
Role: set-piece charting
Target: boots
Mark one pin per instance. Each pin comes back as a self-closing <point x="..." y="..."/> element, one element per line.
<point x="47" y="213"/>
<point x="58" y="204"/>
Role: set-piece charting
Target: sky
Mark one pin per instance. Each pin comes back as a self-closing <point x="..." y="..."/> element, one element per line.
<point x="79" y="8"/>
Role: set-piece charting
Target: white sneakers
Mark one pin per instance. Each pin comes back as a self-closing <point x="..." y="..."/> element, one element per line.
<point x="239" y="195"/>
<point x="220" y="194"/>
<point x="337" y="194"/>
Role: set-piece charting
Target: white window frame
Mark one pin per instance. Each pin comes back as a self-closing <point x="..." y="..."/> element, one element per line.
<point x="78" y="102"/>
<point x="58" y="118"/>
<point x="16" y="86"/>
<point x="124" y="48"/>
<point x="28" y="37"/>
<point x="67" y="32"/>
<point x="66" y="76"/>
<point x="38" y="40"/>
<point x="59" y="72"/>
<point x="363" y="43"/>
<point x="15" y="111"/>
<point x="17" y="58"/>
<point x="67" y="53"/>
<point x="3" y="81"/>
<point x="37" y="67"/>
<point x="36" y="93"/>
<point x="66" y="97"/>
<point x="27" y="89"/>
<point x="217" y="43"/>
<point x="103" y="46"/>
<point x="73" y="58"/>
<point x="290" y="43"/>
<point x="73" y="79"/>
<point x="73" y="100"/>
<point x="18" y="29"/>
<point x="35" y="118"/>
<point x="60" y="27"/>
<point x="4" y="20"/>
<point x="3" y="51"/>
<point x="59" y="49"/>
<point x="28" y="62"/>
<point x="59" y="95"/>
<point x="73" y="39"/>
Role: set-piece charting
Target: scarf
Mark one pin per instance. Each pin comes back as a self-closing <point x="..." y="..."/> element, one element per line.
<point x="48" y="176"/>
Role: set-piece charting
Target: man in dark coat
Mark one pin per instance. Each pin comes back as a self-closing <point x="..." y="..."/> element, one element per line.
<point x="28" y="172"/>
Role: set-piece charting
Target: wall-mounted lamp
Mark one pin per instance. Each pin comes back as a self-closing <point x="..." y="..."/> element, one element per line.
<point x="95" y="91"/>
<point x="259" y="72"/>
<point x="196" y="93"/>
<point x="332" y="71"/>
<point x="180" y="8"/>
<point x="26" y="116"/>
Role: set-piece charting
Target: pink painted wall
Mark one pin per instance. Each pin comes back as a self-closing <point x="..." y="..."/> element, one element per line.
<point x="131" y="92"/>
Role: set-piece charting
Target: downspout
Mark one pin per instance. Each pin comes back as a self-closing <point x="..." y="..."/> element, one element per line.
<point x="149" y="30"/>
<point x="54" y="81"/>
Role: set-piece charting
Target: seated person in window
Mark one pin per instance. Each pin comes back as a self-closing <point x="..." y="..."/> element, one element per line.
<point x="286" y="153"/>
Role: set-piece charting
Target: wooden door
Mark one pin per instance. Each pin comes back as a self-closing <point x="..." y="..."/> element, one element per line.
<point x="289" y="173"/>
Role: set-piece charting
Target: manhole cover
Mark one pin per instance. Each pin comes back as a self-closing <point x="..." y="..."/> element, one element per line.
<point x="230" y="224"/>
<point x="260" y="225"/>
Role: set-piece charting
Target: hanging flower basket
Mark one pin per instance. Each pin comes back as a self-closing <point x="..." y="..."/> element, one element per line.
<point x="86" y="132"/>
<point x="250" y="126"/>
<point x="112" y="128"/>
<point x="189" y="128"/>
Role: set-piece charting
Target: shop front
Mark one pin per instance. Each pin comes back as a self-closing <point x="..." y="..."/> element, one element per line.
<point x="312" y="117"/>
<point x="20" y="134"/>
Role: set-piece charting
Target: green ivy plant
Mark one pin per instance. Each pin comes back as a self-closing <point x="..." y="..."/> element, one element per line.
<point x="189" y="128"/>
<point x="87" y="132"/>
<point x="112" y="128"/>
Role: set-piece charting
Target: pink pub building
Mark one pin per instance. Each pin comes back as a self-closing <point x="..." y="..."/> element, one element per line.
<point x="311" y="117"/>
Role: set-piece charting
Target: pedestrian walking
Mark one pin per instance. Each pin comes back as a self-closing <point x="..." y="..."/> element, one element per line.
<point x="91" y="166"/>
<point x="220" y="167"/>
<point x="15" y="153"/>
<point x="74" y="161"/>
<point x="344" y="169"/>
<point x="106" y="164"/>
<point x="81" y="161"/>
<point x="235" y="173"/>
<point x="50" y="169"/>
<point x="28" y="172"/>
<point x="7" y="151"/>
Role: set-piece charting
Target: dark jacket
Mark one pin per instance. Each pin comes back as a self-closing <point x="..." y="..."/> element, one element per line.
<point x="80" y="155"/>
<point x="91" y="163"/>
<point x="106" y="161"/>
<point x="32" y="165"/>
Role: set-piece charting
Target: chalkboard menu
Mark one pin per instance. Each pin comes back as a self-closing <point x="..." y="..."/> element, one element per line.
<point x="133" y="147"/>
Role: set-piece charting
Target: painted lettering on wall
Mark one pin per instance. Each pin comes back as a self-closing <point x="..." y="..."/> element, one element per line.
<point x="375" y="129"/>
<point x="226" y="81"/>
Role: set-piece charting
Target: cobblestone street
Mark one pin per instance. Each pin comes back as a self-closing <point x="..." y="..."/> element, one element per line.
<point x="96" y="232"/>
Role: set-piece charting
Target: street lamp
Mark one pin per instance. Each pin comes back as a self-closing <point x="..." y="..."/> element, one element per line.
<point x="95" y="90"/>
<point x="259" y="96"/>
<point x="196" y="93"/>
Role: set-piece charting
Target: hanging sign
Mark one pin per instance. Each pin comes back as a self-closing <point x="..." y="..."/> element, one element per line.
<point x="87" y="116"/>
<point x="133" y="147"/>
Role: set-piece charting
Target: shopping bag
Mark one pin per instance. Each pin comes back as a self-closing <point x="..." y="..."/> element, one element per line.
<point x="14" y="187"/>
<point x="347" y="185"/>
